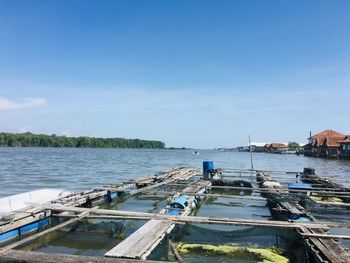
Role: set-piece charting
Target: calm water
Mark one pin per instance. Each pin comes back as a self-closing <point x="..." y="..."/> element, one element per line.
<point x="24" y="169"/>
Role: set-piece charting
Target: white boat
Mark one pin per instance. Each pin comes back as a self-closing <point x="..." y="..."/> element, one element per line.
<point x="16" y="202"/>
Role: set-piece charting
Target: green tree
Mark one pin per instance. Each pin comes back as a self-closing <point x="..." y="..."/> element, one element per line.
<point x="43" y="140"/>
<point x="293" y="146"/>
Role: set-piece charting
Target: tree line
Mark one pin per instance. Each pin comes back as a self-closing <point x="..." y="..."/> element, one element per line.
<point x="42" y="140"/>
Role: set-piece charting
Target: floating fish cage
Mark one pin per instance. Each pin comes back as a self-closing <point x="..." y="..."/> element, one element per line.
<point x="180" y="215"/>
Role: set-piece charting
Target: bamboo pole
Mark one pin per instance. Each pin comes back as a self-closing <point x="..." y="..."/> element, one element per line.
<point x="176" y="254"/>
<point x="329" y="224"/>
<point x="191" y="219"/>
<point x="328" y="236"/>
<point x="261" y="190"/>
<point x="210" y="195"/>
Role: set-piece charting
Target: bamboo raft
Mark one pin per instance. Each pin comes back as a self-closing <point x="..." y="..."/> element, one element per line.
<point x="140" y="244"/>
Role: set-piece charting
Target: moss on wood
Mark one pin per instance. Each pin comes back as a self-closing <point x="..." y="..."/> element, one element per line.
<point x="264" y="255"/>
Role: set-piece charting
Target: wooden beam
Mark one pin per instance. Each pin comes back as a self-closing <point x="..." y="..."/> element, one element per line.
<point x="214" y="195"/>
<point x="18" y="256"/>
<point x="324" y="192"/>
<point x="176" y="254"/>
<point x="325" y="249"/>
<point x="143" y="241"/>
<point x="328" y="224"/>
<point x="183" y="175"/>
<point x="24" y="219"/>
<point x="191" y="219"/>
<point x="138" y="243"/>
<point x="39" y="234"/>
<point x="326" y="236"/>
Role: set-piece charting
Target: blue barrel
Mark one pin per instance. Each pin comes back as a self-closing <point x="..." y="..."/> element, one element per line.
<point x="208" y="165"/>
<point x="180" y="202"/>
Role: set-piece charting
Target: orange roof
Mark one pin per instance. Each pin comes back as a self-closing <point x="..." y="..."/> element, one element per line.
<point x="326" y="134"/>
<point x="346" y="139"/>
<point x="333" y="141"/>
<point x="327" y="137"/>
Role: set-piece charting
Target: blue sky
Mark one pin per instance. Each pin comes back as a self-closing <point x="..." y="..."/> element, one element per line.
<point x="190" y="73"/>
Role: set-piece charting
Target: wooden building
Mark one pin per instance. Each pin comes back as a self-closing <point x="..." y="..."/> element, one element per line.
<point x="325" y="144"/>
<point x="345" y="148"/>
<point x="276" y="147"/>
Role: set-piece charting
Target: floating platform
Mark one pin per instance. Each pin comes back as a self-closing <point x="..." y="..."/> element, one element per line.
<point x="32" y="220"/>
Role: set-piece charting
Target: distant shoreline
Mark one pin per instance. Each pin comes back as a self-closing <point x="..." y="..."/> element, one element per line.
<point x="44" y="141"/>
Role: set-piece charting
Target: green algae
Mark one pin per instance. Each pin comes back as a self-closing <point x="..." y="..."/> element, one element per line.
<point x="264" y="255"/>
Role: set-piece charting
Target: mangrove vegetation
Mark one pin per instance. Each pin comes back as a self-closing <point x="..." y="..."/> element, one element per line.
<point x="42" y="140"/>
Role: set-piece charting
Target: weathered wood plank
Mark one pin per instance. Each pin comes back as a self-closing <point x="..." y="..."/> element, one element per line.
<point x="323" y="191"/>
<point x="24" y="219"/>
<point x="33" y="214"/>
<point x="140" y="241"/>
<point x="191" y="219"/>
<point x="249" y="197"/>
<point x="18" y="256"/>
<point x="324" y="235"/>
<point x="322" y="245"/>
<point x="34" y="236"/>
<point x="183" y="174"/>
<point x="324" y="223"/>
<point x="327" y="249"/>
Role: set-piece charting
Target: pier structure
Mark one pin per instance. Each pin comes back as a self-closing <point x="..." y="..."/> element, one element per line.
<point x="323" y="247"/>
<point x="141" y="243"/>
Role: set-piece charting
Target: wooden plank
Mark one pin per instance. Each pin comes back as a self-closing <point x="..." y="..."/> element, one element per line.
<point x="34" y="236"/>
<point x="18" y="256"/>
<point x="324" y="223"/>
<point x="20" y="214"/>
<point x="291" y="208"/>
<point x="249" y="197"/>
<point x="183" y="175"/>
<point x="325" y="236"/>
<point x="24" y="220"/>
<point x="140" y="241"/>
<point x="323" y="247"/>
<point x="176" y="254"/>
<point x="324" y="191"/>
<point x="190" y="219"/>
<point x="327" y="249"/>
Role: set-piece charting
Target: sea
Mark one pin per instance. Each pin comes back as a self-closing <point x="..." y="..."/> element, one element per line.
<point x="75" y="169"/>
<point x="78" y="169"/>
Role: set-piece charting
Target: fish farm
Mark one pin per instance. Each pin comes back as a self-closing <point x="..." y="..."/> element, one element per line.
<point x="183" y="214"/>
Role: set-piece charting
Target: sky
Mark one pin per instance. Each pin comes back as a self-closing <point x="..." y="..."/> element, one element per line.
<point x="200" y="74"/>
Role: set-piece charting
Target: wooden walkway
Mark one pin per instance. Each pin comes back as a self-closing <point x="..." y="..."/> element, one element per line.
<point x="95" y="196"/>
<point x="139" y="242"/>
<point x="322" y="248"/>
<point x="18" y="256"/>
<point x="142" y="242"/>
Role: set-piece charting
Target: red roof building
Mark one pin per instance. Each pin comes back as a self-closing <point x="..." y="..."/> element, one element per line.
<point x="324" y="144"/>
<point x="344" y="147"/>
<point x="275" y="147"/>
